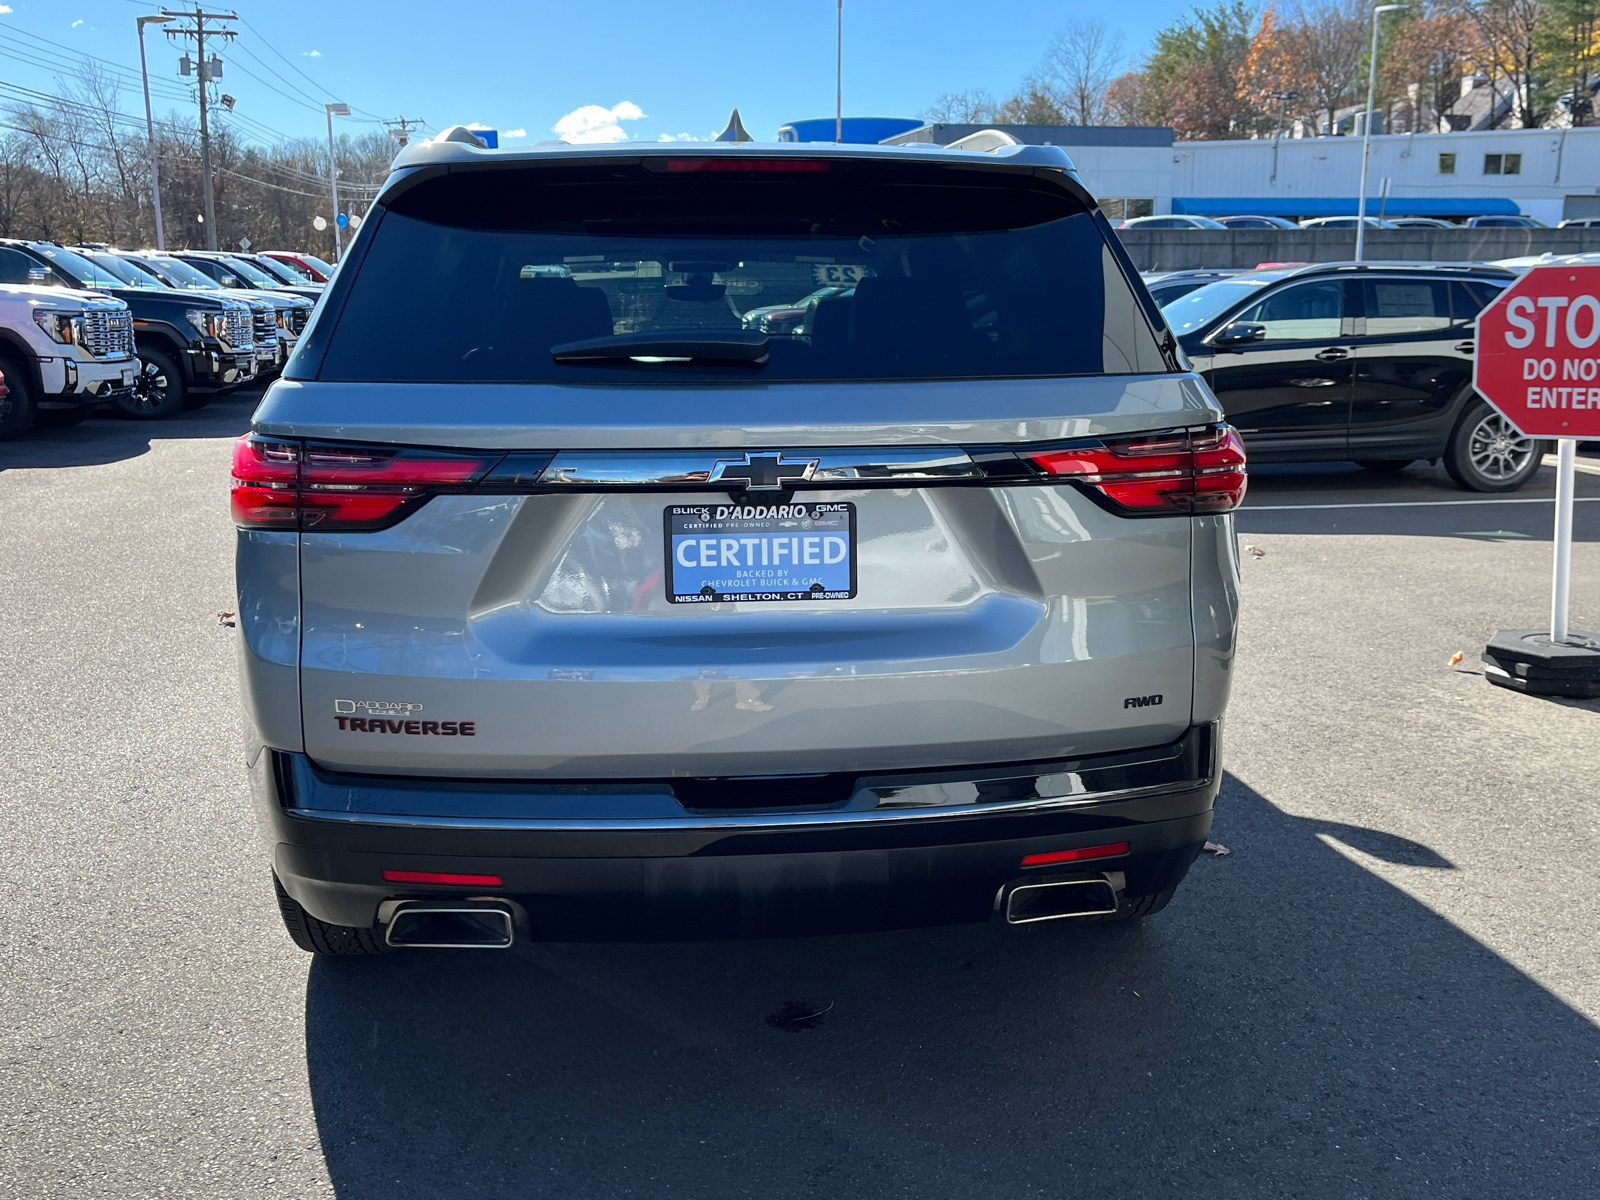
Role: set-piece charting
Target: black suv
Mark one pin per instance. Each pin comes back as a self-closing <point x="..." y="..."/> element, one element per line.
<point x="1370" y="362"/>
<point x="188" y="348"/>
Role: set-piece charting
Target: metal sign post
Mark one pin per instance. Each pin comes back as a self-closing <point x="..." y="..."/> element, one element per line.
<point x="1561" y="591"/>
<point x="1537" y="360"/>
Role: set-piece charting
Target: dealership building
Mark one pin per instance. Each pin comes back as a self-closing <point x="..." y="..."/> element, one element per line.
<point x="1550" y="174"/>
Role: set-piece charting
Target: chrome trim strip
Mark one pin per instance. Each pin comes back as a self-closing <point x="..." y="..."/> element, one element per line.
<point x="754" y="821"/>
<point x="622" y="468"/>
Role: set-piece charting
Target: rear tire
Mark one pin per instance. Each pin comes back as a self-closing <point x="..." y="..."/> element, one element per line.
<point x="1384" y="465"/>
<point x="319" y="937"/>
<point x="1487" y="455"/>
<point x="16" y="407"/>
<point x="158" y="389"/>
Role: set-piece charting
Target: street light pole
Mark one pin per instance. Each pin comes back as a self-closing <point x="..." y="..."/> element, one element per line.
<point x="1366" y="133"/>
<point x="1283" y="99"/>
<point x="341" y="110"/>
<point x="150" y="129"/>
<point x="838" y="92"/>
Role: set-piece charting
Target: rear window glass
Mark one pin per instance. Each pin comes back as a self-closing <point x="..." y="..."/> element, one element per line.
<point x="849" y="272"/>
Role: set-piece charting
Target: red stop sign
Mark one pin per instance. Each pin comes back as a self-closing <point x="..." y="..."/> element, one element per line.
<point x="1538" y="353"/>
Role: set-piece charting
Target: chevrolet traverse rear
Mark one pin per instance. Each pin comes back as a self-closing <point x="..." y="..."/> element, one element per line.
<point x="587" y="610"/>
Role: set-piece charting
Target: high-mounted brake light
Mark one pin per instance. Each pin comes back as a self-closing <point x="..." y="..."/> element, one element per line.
<point x="1114" y="850"/>
<point x="350" y="489"/>
<point x="767" y="165"/>
<point x="1153" y="475"/>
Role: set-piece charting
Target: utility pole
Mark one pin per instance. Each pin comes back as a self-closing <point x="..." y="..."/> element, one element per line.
<point x="400" y="129"/>
<point x="205" y="72"/>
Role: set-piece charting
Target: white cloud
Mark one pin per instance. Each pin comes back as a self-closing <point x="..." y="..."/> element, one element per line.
<point x="679" y="137"/>
<point x="311" y="54"/>
<point x="75" y="24"/>
<point x="5" y="9"/>
<point x="479" y="125"/>
<point x="591" y="123"/>
<point x="515" y="133"/>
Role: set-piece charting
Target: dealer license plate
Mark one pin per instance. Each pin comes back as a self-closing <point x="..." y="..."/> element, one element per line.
<point x="760" y="552"/>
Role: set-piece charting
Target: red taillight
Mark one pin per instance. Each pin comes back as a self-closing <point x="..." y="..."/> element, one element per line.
<point x="765" y="165"/>
<point x="294" y="485"/>
<point x="441" y="877"/>
<point x="1087" y="852"/>
<point x="1158" y="474"/>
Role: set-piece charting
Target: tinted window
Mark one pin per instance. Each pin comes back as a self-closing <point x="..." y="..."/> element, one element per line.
<point x="940" y="273"/>
<point x="1470" y="297"/>
<point x="1304" y="312"/>
<point x="1401" y="306"/>
<point x="1189" y="313"/>
<point x="86" y="273"/>
<point x="14" y="266"/>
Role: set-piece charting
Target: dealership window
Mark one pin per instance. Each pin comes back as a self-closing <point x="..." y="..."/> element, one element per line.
<point x="1447" y="164"/>
<point x="1123" y="209"/>
<point x="1502" y="164"/>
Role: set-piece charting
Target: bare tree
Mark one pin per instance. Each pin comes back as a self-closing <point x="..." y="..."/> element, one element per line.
<point x="1512" y="30"/>
<point x="1329" y="38"/>
<point x="975" y="107"/>
<point x="1078" y="69"/>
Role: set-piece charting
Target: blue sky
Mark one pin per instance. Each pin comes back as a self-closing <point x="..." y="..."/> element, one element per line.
<point x="649" y="69"/>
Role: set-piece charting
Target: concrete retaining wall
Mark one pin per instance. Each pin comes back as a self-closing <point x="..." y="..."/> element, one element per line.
<point x="1242" y="249"/>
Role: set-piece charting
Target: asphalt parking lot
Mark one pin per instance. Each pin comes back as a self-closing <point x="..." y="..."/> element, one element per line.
<point x="1388" y="988"/>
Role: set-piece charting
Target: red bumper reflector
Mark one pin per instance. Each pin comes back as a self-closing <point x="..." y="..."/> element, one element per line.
<point x="1061" y="856"/>
<point x="441" y="877"/>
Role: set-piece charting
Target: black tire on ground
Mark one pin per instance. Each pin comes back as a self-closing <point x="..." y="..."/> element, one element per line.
<point x="318" y="937"/>
<point x="1486" y="454"/>
<point x="1384" y="465"/>
<point x="158" y="388"/>
<point x="16" y="407"/>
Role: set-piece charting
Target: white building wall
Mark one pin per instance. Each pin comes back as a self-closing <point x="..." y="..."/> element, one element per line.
<point x="1556" y="164"/>
<point x="1127" y="172"/>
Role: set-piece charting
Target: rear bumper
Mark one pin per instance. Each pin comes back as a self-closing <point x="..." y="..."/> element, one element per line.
<point x="647" y="868"/>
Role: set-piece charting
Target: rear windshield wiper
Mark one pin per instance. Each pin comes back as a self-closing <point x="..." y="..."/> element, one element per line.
<point x="732" y="346"/>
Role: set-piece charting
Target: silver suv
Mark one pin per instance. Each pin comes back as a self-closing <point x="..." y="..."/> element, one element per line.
<point x="595" y="612"/>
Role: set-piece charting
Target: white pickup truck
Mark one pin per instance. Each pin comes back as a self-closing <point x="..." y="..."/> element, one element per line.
<point x="63" y="353"/>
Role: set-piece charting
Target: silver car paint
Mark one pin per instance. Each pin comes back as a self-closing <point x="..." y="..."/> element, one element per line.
<point x="663" y="417"/>
<point x="991" y="625"/>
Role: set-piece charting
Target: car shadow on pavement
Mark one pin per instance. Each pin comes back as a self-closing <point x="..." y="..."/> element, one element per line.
<point x="107" y="439"/>
<point x="1291" y="1025"/>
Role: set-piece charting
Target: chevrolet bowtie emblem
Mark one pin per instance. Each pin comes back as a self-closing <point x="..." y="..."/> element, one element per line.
<point x="764" y="472"/>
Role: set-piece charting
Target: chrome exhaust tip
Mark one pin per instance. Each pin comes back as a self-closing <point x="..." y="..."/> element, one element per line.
<point x="424" y="925"/>
<point x="1055" y="899"/>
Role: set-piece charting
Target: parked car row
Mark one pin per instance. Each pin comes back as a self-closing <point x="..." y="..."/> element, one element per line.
<point x="144" y="332"/>
<point x="1188" y="221"/>
<point x="1362" y="362"/>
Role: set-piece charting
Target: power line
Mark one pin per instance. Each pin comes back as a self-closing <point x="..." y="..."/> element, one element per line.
<point x="319" y="87"/>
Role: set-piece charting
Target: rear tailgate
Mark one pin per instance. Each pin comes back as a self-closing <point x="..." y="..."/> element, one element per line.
<point x="520" y="622"/>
